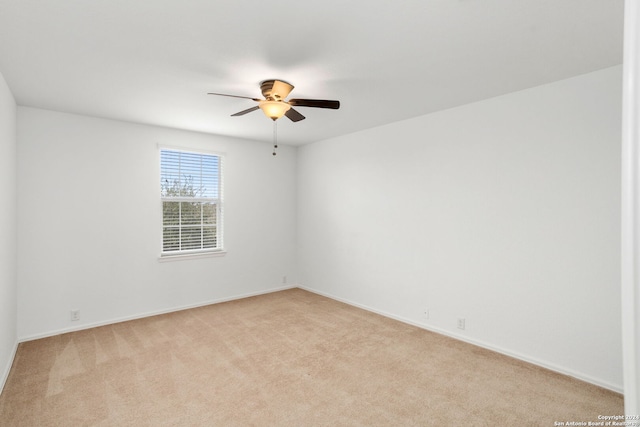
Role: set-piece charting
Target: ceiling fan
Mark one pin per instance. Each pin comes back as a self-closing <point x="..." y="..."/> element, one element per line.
<point x="274" y="105"/>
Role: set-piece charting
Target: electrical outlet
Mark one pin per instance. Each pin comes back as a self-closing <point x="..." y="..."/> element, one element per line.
<point x="75" y="315"/>
<point x="461" y="323"/>
<point x="284" y="279"/>
<point x="426" y="313"/>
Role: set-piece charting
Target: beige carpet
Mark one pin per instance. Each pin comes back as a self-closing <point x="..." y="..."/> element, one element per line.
<point x="290" y="358"/>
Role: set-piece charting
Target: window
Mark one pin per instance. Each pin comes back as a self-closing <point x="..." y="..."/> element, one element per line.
<point x="190" y="188"/>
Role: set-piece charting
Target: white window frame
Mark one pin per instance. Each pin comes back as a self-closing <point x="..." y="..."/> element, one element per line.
<point x="202" y="252"/>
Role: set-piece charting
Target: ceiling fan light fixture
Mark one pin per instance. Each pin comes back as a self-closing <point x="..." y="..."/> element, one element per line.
<point x="274" y="109"/>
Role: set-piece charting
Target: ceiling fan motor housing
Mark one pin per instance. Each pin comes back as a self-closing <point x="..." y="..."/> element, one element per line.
<point x="275" y="90"/>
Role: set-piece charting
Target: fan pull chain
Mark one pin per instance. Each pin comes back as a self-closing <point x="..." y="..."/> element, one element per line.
<point x="275" y="136"/>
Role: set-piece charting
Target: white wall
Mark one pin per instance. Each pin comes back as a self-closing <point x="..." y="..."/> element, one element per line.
<point x="8" y="230"/>
<point x="631" y="208"/>
<point x="504" y="212"/>
<point x="90" y="222"/>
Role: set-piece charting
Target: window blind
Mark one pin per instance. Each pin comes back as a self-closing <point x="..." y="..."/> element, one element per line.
<point x="190" y="184"/>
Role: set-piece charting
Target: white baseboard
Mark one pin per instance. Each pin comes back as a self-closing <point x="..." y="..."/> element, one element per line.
<point x="150" y="313"/>
<point x="7" y="368"/>
<point x="515" y="355"/>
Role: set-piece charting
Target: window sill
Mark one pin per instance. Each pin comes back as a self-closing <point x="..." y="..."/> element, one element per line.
<point x="196" y="255"/>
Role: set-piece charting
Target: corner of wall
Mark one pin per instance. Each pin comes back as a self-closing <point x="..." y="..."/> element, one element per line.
<point x="8" y="231"/>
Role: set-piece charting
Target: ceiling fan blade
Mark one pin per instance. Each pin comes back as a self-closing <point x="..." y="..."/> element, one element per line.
<point x="234" y="96"/>
<point x="243" y="112"/>
<point x="317" y="103"/>
<point x="293" y="115"/>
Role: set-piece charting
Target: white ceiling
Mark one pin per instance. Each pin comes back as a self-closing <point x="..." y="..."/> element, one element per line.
<point x="153" y="61"/>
